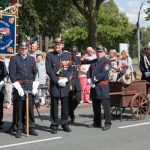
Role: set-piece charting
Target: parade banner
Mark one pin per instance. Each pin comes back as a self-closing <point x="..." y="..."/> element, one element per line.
<point x="8" y="34"/>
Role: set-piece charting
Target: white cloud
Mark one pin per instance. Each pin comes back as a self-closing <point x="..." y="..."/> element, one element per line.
<point x="133" y="4"/>
<point x="131" y="8"/>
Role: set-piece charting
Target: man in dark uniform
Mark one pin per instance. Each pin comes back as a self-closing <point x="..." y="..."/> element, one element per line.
<point x="3" y="74"/>
<point x="98" y="80"/>
<point x="22" y="70"/>
<point x="145" y="66"/>
<point x="75" y="92"/>
<point x="58" y="67"/>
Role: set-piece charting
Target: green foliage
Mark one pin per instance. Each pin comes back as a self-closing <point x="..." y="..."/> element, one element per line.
<point x="28" y="19"/>
<point x="4" y="3"/>
<point x="113" y="26"/>
<point x="76" y="35"/>
<point x="51" y="14"/>
<point x="147" y="11"/>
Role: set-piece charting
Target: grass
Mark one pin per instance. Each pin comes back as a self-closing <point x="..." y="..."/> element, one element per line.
<point x="135" y="61"/>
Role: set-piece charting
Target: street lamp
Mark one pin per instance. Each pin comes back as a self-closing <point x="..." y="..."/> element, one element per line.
<point x="138" y="31"/>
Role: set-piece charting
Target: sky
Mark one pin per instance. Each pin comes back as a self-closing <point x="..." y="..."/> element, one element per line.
<point x="131" y="8"/>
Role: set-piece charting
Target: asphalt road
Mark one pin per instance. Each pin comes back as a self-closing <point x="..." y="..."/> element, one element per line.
<point x="122" y="136"/>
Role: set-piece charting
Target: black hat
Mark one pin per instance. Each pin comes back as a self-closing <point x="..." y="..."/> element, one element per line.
<point x="100" y="48"/>
<point x="74" y="48"/>
<point x="23" y="44"/>
<point x="58" y="40"/>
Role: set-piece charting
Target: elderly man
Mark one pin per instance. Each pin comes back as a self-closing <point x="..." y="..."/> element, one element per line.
<point x="35" y="50"/>
<point x="22" y="70"/>
<point x="58" y="68"/>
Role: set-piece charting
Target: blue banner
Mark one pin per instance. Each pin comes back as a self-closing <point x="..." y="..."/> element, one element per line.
<point x="8" y="34"/>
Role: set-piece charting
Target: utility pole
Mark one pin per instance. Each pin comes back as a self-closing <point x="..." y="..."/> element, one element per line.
<point x="138" y="32"/>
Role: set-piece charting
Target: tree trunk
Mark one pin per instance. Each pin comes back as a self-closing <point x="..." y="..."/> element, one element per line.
<point x="92" y="31"/>
<point x="46" y="43"/>
<point x="40" y="41"/>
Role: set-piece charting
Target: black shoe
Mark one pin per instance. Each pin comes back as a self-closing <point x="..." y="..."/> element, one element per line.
<point x="18" y="134"/>
<point x="53" y="129"/>
<point x="106" y="127"/>
<point x="66" y="129"/>
<point x="1" y="125"/>
<point x="94" y="125"/>
<point x="33" y="132"/>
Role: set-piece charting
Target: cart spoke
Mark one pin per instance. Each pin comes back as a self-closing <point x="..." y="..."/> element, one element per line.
<point x="142" y="111"/>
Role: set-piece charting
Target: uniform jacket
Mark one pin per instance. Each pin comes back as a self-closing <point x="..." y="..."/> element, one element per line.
<point x="22" y="69"/>
<point x="99" y="70"/>
<point x="143" y="68"/>
<point x="53" y="65"/>
<point x="3" y="71"/>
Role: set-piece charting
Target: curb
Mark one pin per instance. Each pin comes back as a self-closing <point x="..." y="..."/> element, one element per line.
<point x="43" y="109"/>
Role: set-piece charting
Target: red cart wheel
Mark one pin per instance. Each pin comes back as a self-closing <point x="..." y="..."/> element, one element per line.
<point x="140" y="106"/>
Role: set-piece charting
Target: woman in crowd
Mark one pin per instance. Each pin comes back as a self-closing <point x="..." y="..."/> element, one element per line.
<point x="41" y="77"/>
<point x="85" y="88"/>
<point x="125" y="66"/>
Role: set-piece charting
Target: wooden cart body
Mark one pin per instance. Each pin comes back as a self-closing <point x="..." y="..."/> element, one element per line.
<point x="133" y="96"/>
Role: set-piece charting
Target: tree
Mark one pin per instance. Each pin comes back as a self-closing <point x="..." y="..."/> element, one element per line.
<point x="113" y="26"/>
<point x="51" y="14"/>
<point x="147" y="11"/>
<point x="29" y="22"/>
<point x="89" y="9"/>
<point x="4" y="3"/>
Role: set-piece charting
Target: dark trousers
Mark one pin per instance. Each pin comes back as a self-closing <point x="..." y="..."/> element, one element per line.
<point x="97" y="110"/>
<point x="54" y="111"/>
<point x="19" y="114"/>
<point x="1" y="106"/>
<point x="74" y="100"/>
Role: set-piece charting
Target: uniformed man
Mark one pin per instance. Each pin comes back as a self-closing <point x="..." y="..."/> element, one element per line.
<point x="75" y="92"/>
<point x="145" y="66"/>
<point x="3" y="74"/>
<point x="58" y="67"/>
<point x="98" y="80"/>
<point x="22" y="70"/>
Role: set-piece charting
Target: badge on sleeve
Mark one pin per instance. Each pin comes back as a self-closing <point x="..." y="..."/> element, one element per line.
<point x="107" y="66"/>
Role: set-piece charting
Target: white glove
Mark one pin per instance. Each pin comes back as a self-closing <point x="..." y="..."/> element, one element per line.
<point x="61" y="83"/>
<point x="18" y="87"/>
<point x="89" y="81"/>
<point x="147" y="74"/>
<point x="65" y="80"/>
<point x="2" y="83"/>
<point x="35" y="86"/>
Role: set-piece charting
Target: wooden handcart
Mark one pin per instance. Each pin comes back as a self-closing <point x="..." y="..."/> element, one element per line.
<point x="133" y="96"/>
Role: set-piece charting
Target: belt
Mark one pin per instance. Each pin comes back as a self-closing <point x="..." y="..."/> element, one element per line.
<point x="102" y="82"/>
<point x="25" y="81"/>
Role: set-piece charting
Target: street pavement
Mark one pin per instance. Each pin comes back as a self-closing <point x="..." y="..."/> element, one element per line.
<point x="128" y="134"/>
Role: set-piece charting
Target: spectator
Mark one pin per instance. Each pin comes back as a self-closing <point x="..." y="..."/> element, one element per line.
<point x="41" y="77"/>
<point x="85" y="88"/>
<point x="126" y="68"/>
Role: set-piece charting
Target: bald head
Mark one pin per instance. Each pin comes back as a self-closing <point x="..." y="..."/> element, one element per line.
<point x="90" y="51"/>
